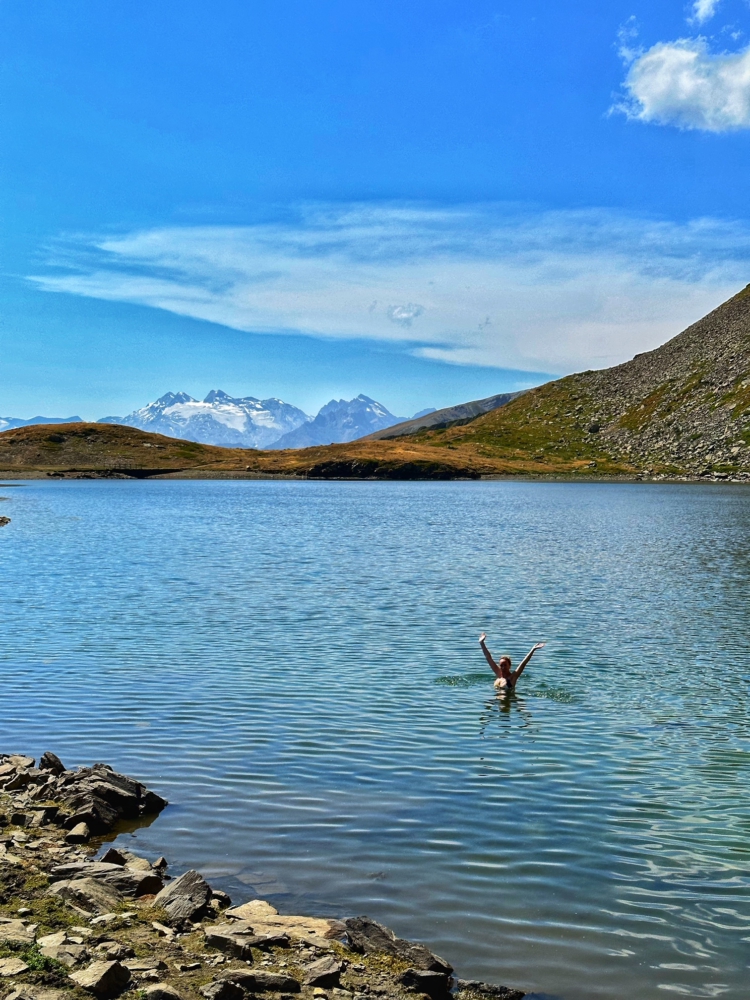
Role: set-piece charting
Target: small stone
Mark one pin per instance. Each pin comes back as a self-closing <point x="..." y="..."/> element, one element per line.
<point x="103" y="919"/>
<point x="161" y="863"/>
<point x="162" y="930"/>
<point x="23" y="911"/>
<point x="273" y="982"/>
<point x="140" y="965"/>
<point x="80" y="834"/>
<point x="160" y="991"/>
<point x="12" y="967"/>
<point x="222" y="989"/>
<point x="103" y="978"/>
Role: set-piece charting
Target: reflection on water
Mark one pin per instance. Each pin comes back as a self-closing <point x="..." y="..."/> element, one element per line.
<point x="295" y="665"/>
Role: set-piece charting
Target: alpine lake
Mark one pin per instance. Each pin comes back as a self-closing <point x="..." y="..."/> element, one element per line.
<point x="295" y="666"/>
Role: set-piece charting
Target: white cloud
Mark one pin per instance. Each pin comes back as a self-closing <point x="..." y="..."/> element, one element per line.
<point x="704" y="10"/>
<point x="488" y="285"/>
<point x="682" y="83"/>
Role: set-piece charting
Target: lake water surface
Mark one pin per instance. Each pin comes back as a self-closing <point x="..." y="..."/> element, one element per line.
<point x="295" y="666"/>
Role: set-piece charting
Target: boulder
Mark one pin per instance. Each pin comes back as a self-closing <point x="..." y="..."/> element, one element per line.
<point x="435" y="984"/>
<point x="80" y="834"/>
<point x="51" y="762"/>
<point x="186" y="898"/>
<point x="12" y="966"/>
<point x="267" y="920"/>
<point x="15" y="932"/>
<point x="20" y="760"/>
<point x="67" y="953"/>
<point x="126" y="880"/>
<point x="234" y="939"/>
<point x="488" y="990"/>
<point x="325" y="972"/>
<point x="222" y="989"/>
<point x="274" y="982"/>
<point x="369" y="937"/>
<point x="96" y="813"/>
<point x="138" y="965"/>
<point x="160" y="991"/>
<point x="113" y="857"/>
<point x="88" y="893"/>
<point x="102" y="978"/>
<point x="241" y="977"/>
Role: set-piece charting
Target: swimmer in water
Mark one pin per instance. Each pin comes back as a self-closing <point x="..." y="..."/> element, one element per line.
<point x="506" y="678"/>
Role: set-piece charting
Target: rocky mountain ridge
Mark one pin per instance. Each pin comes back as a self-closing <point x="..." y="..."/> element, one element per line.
<point x="340" y="421"/>
<point x="219" y="419"/>
<point x="681" y="409"/>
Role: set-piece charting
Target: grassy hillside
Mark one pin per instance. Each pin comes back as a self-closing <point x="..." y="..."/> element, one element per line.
<point x="101" y="447"/>
<point x="683" y="408"/>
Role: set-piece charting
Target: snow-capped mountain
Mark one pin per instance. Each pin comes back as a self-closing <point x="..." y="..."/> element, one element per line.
<point x="338" y="421"/>
<point x="6" y="423"/>
<point x="219" y="419"/>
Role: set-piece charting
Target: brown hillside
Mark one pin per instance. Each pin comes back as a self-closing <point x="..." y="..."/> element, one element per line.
<point x="102" y="447"/>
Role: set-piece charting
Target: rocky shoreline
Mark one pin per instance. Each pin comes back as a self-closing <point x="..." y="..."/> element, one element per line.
<point x="75" y="925"/>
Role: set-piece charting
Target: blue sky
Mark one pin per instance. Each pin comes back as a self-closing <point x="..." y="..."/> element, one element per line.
<point x="423" y="201"/>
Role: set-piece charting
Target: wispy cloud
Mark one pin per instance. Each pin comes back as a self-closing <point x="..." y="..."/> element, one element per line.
<point x="704" y="10"/>
<point x="489" y="285"/>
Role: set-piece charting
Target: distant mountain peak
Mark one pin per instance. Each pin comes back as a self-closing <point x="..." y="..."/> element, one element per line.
<point x="219" y="419"/>
<point x="171" y="398"/>
<point x="340" y="420"/>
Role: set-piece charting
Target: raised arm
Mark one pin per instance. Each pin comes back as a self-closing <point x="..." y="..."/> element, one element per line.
<point x="488" y="656"/>
<point x="522" y="665"/>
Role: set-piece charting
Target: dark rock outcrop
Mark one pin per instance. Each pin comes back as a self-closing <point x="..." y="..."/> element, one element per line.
<point x="368" y="937"/>
<point x="435" y="984"/>
<point x="488" y="990"/>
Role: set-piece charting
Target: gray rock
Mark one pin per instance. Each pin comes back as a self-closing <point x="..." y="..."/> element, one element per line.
<point x="80" y="834"/>
<point x="186" y="898"/>
<point x="12" y="966"/>
<point x="103" y="978"/>
<point x="222" y="989"/>
<point x="488" y="990"/>
<point x="51" y="762"/>
<point x="369" y="937"/>
<point x="435" y="984"/>
<point x="325" y="972"/>
<point x="15" y="932"/>
<point x="67" y="953"/>
<point x="233" y="939"/>
<point x="88" y="893"/>
<point x="160" y="991"/>
<point x="274" y="982"/>
<point x="113" y="857"/>
<point x="241" y="977"/>
<point x="138" y="965"/>
<point x="128" y="881"/>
